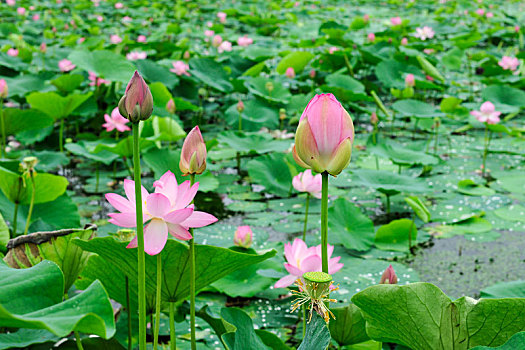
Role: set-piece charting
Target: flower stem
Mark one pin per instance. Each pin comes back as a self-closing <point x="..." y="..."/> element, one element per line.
<point x="61" y="136"/>
<point x="192" y="281"/>
<point x="173" y="338"/>
<point x="240" y="121"/>
<point x="128" y="308"/>
<point x="3" y="142"/>
<point x="157" y="302"/>
<point x="79" y="342"/>
<point x="387" y="204"/>
<point x="324" y="222"/>
<point x="306" y="215"/>
<point x="304" y="321"/>
<point x="32" y="203"/>
<point x="140" y="239"/>
<point x="485" y="151"/>
<point x="15" y="218"/>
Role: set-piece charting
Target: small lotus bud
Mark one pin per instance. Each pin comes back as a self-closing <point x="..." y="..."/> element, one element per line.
<point x="373" y="118"/>
<point x="269" y="87"/>
<point x="317" y="284"/>
<point x="240" y="106"/>
<point x="243" y="237"/>
<point x="170" y="106"/>
<point x="290" y="72"/>
<point x="3" y="88"/>
<point x="312" y="73"/>
<point x="404" y="41"/>
<point x="410" y="80"/>
<point x="282" y="114"/>
<point x="193" y="154"/>
<point x="186" y="55"/>
<point x="137" y="102"/>
<point x="43" y="47"/>
<point x="366" y="18"/>
<point x="389" y="276"/>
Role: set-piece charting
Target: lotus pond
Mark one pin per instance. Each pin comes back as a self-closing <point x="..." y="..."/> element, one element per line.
<point x="310" y="175"/>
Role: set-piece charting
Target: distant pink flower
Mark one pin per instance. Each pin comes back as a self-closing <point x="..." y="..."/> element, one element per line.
<point x="127" y="19"/>
<point x="180" y="68"/>
<point x="332" y="49"/>
<point x="395" y="21"/>
<point x="410" y="81"/>
<point x="290" y="72"/>
<point x="115" y="121"/>
<point x="487" y="113"/>
<point x="43" y="47"/>
<point x="509" y="63"/>
<point x="11" y="2"/>
<point x="366" y="18"/>
<point x="12" y="52"/>
<point x="221" y="16"/>
<point x="217" y="41"/>
<point x="389" y="276"/>
<point x="186" y="55"/>
<point x="489" y="15"/>
<point x="429" y="51"/>
<point x="100" y="18"/>
<point x="404" y="41"/>
<point x="209" y="24"/>
<point x="115" y="39"/>
<point x="517" y="29"/>
<point x="244" y="41"/>
<point x="312" y="73"/>
<point x="373" y="118"/>
<point x="371" y="37"/>
<point x="136" y="55"/>
<point x="66" y="65"/>
<point x="301" y="259"/>
<point x="243" y="237"/>
<point x="480" y="12"/>
<point x="168" y="209"/>
<point x="119" y="5"/>
<point x="224" y="46"/>
<point x="209" y="33"/>
<point x="96" y="80"/>
<point x="424" y="33"/>
<point x="32" y="8"/>
<point x="81" y="40"/>
<point x="21" y="11"/>
<point x="141" y="39"/>
<point x="306" y="182"/>
<point x="36" y="17"/>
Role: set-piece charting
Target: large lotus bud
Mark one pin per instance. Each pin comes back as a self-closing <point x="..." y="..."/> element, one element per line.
<point x="324" y="137"/>
<point x="137" y="102"/>
<point x="243" y="237"/>
<point x="389" y="276"/>
<point x="193" y="155"/>
<point x="3" y="88"/>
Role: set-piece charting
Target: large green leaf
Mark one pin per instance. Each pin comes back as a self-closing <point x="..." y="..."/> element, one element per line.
<point x="259" y="86"/>
<point x="349" y="226"/>
<point x="17" y="120"/>
<point x="24" y="337"/>
<point x="317" y="334"/>
<point x="54" y="105"/>
<point x="349" y="325"/>
<point x="513" y="289"/>
<point x="87" y="149"/>
<point x="4" y="234"/>
<point x="88" y="312"/>
<point x="296" y="60"/>
<point x="516" y="342"/>
<point x="28" y="250"/>
<point x="471" y="188"/>
<point x="415" y="108"/>
<point x="244" y="336"/>
<point x="421" y="316"/>
<point x="506" y="98"/>
<point x="211" y="73"/>
<point x="395" y="235"/>
<point x="105" y="64"/>
<point x="400" y="154"/>
<point x="390" y="183"/>
<point x="391" y="73"/>
<point x="154" y="72"/>
<point x="252" y="142"/>
<point x="271" y="171"/>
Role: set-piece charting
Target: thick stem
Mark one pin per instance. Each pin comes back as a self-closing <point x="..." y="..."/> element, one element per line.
<point x="240" y="121"/>
<point x="157" y="302"/>
<point x="140" y="239"/>
<point x="32" y="203"/>
<point x="192" y="282"/>
<point x="173" y="337"/>
<point x="128" y="308"/>
<point x="239" y="164"/>
<point x="79" y="342"/>
<point x="61" y="136"/>
<point x="3" y="142"/>
<point x="97" y="178"/>
<point x="306" y="215"/>
<point x="387" y="204"/>
<point x="324" y="222"/>
<point x="15" y="216"/>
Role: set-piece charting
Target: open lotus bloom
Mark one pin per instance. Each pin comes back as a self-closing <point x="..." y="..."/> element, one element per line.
<point x="115" y="121"/>
<point x="167" y="210"/>
<point x="509" y="63"/>
<point x="324" y="137"/>
<point x="306" y="182"/>
<point x="424" y="33"/>
<point x="487" y="113"/>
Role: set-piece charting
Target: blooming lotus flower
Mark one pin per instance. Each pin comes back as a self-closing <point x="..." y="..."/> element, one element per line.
<point x="137" y="102"/>
<point x="21" y="11"/>
<point x="244" y="41"/>
<point x="487" y="113"/>
<point x="119" y="5"/>
<point x="404" y="41"/>
<point x="100" y="18"/>
<point x="489" y="15"/>
<point x="12" y="52"/>
<point x="166" y="210"/>
<point x="209" y="33"/>
<point x="180" y="68"/>
<point x="222" y="17"/>
<point x="480" y="12"/>
<point x="324" y="137"/>
<point x="424" y="33"/>
<point x="332" y="49"/>
<point x="11" y="2"/>
<point x="115" y="121"/>
<point x="410" y="80"/>
<point x="301" y="259"/>
<point x="96" y="80"/>
<point x="224" y="46"/>
<point x="366" y="18"/>
<point x="66" y="65"/>
<point x="216" y="41"/>
<point x="141" y="39"/>
<point x="136" y="55"/>
<point x="509" y="63"/>
<point x="127" y="19"/>
<point x="3" y="88"/>
<point x="306" y="182"/>
<point x="170" y="106"/>
<point x="389" y="276"/>
<point x="395" y="21"/>
<point x="115" y="39"/>
<point x="290" y="72"/>
<point x="371" y="37"/>
<point x="193" y="154"/>
<point x="243" y="237"/>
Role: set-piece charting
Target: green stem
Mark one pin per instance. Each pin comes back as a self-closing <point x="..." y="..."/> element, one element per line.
<point x="157" y="301"/>
<point x="192" y="282"/>
<point x="32" y="203"/>
<point x="324" y="222"/>
<point x="304" y="320"/>
<point x="128" y="308"/>
<point x="61" y="136"/>
<point x="486" y="150"/>
<point x="173" y="338"/>
<point x="387" y="204"/>
<point x="410" y="234"/>
<point x="240" y="121"/>
<point x="3" y="142"/>
<point x="239" y="164"/>
<point x="306" y="216"/>
<point x="79" y="342"/>
<point x="436" y="135"/>
<point x="415" y="129"/>
<point x="97" y="177"/>
<point x="140" y="239"/>
<point x="15" y="218"/>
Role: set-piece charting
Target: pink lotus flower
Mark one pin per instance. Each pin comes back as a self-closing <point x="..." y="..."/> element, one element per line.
<point x="312" y="73"/>
<point x="429" y="51"/>
<point x="395" y="21"/>
<point x="66" y="65"/>
<point x="306" y="182"/>
<point x="141" y="39"/>
<point x="301" y="259"/>
<point x="404" y="41"/>
<point x="136" y="55"/>
<point x="43" y="47"/>
<point x="487" y="113"/>
<point x="115" y="39"/>
<point x="480" y="12"/>
<point x="81" y="40"/>
<point x="290" y="72"/>
<point x="168" y="209"/>
<point x="222" y="17"/>
<point x="209" y="33"/>
<point x="127" y="19"/>
<point x="225" y="46"/>
<point x="21" y="11"/>
<point x="180" y="68"/>
<point x="371" y="37"/>
<point x="332" y="49"/>
<point x="170" y="106"/>
<point x="11" y="2"/>
<point x="12" y="52"/>
<point x="193" y="154"/>
<point x="243" y="237"/>
<point x="410" y="80"/>
<point x="119" y="5"/>
<point x="424" y="33"/>
<point x="373" y="118"/>
<point x="216" y="41"/>
<point x="324" y="137"/>
<point x="366" y="18"/>
<point x="240" y="106"/>
<point x="36" y="17"/>
<point x="517" y="29"/>
<point x="389" y="276"/>
<point x="244" y="41"/>
<point x="509" y="63"/>
<point x="115" y="121"/>
<point x="489" y="15"/>
<point x="3" y="88"/>
<point x="96" y="80"/>
<point x="100" y="18"/>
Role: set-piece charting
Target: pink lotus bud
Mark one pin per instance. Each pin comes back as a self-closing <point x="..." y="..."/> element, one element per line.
<point x="100" y="18"/>
<point x="324" y="137"/>
<point x="243" y="237"/>
<point x="12" y="52"/>
<point x="119" y="5"/>
<point x="137" y="102"/>
<point x="170" y="106"/>
<point x="373" y="118"/>
<point x="21" y="11"/>
<point x="180" y="68"/>
<point x="193" y="154"/>
<point x="209" y="33"/>
<point x="186" y="55"/>
<point x="366" y="18"/>
<point x="480" y="12"/>
<point x="312" y="73"/>
<point x="3" y="88"/>
<point x="290" y="72"/>
<point x="332" y="49"/>
<point x="115" y="39"/>
<point x="410" y="80"/>
<point x="221" y="16"/>
<point x="216" y="41"/>
<point x="66" y="65"/>
<point x="489" y="15"/>
<point x="395" y="21"/>
<point x="429" y="78"/>
<point x="43" y="47"/>
<point x="404" y="41"/>
<point x="389" y="276"/>
<point x="240" y="106"/>
<point x="10" y="2"/>
<point x="244" y="41"/>
<point x="36" y="17"/>
<point x="371" y="37"/>
<point x="141" y="39"/>
<point x="517" y="29"/>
